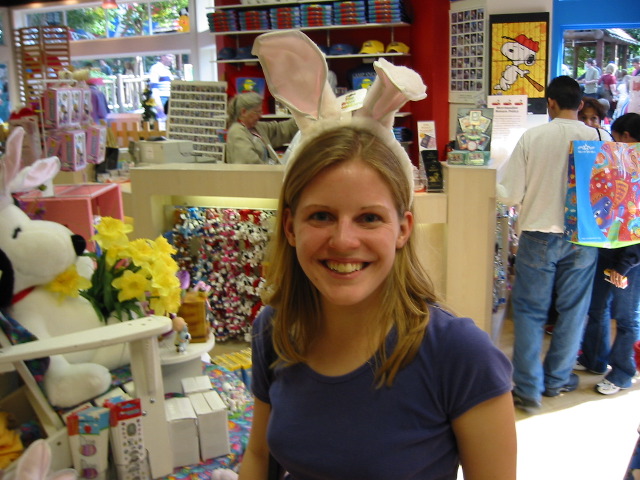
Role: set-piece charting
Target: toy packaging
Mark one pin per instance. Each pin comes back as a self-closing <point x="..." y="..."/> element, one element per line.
<point x="198" y="384"/>
<point x="56" y="107"/>
<point x="73" y="150"/>
<point x="75" y="107"/>
<point x="96" y="143"/>
<point x="194" y="311"/>
<point x="88" y="432"/>
<point x="127" y="440"/>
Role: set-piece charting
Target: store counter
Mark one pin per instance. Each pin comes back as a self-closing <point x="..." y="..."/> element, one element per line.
<point x="454" y="231"/>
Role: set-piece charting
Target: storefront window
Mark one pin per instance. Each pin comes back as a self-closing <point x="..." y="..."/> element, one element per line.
<point x="128" y="20"/>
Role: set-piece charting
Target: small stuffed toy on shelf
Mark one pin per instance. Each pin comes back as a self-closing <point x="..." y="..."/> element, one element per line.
<point x="182" y="336"/>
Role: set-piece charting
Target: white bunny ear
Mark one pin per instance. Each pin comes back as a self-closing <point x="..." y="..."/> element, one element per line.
<point x="296" y="72"/>
<point x="34" y="463"/>
<point x="38" y="173"/>
<point x="10" y="165"/>
<point x="393" y="87"/>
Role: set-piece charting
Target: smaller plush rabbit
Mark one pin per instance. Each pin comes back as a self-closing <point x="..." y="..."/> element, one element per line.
<point x="34" y="464"/>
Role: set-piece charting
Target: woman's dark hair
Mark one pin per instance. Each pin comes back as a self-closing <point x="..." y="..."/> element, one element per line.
<point x="630" y="123"/>
<point x="599" y="108"/>
<point x="565" y="91"/>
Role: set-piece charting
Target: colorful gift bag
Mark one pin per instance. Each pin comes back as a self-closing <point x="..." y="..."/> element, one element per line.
<point x="603" y="195"/>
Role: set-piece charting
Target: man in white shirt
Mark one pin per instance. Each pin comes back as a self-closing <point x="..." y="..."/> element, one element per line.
<point x="536" y="178"/>
<point x="160" y="77"/>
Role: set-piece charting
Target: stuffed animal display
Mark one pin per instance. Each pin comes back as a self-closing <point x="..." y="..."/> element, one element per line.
<point x="34" y="464"/>
<point x="32" y="254"/>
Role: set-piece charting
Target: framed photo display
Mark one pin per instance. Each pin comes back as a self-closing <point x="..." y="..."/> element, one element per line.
<point x="467" y="32"/>
<point x="519" y="65"/>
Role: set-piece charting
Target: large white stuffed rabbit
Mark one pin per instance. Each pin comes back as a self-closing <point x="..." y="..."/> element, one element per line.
<point x="32" y="254"/>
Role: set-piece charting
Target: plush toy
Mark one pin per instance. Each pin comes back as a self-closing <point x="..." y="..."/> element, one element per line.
<point x="10" y="442"/>
<point x="182" y="335"/>
<point x="32" y="254"/>
<point x="34" y="464"/>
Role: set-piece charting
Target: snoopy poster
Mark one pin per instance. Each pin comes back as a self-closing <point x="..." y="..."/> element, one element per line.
<point x="519" y="56"/>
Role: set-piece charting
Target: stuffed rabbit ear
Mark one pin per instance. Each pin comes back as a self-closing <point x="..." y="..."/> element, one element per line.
<point x="296" y="72"/>
<point x="38" y="173"/>
<point x="10" y="165"/>
<point x="393" y="87"/>
<point x="34" y="463"/>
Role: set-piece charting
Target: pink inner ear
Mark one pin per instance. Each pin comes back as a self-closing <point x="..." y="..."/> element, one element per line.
<point x="38" y="173"/>
<point x="295" y="70"/>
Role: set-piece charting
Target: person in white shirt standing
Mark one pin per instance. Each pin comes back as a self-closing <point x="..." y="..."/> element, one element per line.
<point x="536" y="178"/>
<point x="160" y="77"/>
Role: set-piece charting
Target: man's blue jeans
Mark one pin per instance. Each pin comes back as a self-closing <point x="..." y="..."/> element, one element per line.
<point x="546" y="261"/>
<point x="607" y="302"/>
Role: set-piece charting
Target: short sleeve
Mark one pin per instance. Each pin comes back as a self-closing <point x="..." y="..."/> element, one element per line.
<point x="262" y="355"/>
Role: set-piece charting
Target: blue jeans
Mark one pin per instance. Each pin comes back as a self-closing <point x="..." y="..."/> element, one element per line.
<point x="623" y="304"/>
<point x="546" y="261"/>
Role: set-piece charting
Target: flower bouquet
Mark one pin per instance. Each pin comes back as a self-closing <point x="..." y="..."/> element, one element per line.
<point x="132" y="278"/>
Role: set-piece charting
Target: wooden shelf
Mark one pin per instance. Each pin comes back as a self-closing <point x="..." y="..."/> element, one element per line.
<point x="322" y="28"/>
<point x="328" y="57"/>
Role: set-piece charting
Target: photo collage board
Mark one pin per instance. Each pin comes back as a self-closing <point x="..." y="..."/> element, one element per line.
<point x="467" y="39"/>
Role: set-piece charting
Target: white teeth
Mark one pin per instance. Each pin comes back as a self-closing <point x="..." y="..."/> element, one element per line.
<point x="345" y="267"/>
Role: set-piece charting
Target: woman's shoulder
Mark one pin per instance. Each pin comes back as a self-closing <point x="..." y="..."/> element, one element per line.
<point x="447" y="330"/>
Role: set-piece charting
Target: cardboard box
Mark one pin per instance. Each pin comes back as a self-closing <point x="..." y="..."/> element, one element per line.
<point x="88" y="432"/>
<point x="183" y="431"/>
<point x="165" y="151"/>
<point x="56" y="107"/>
<point x="96" y="143"/>
<point x="194" y="311"/>
<point x="213" y="427"/>
<point x="127" y="439"/>
<point x="73" y="150"/>
<point x="198" y="384"/>
<point x="75" y="107"/>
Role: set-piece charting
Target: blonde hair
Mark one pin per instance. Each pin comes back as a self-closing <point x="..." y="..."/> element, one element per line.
<point x="407" y="290"/>
<point x="610" y="68"/>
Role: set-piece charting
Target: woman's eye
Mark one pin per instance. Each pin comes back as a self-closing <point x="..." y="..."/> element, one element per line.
<point x="371" y="218"/>
<point x="320" y="216"/>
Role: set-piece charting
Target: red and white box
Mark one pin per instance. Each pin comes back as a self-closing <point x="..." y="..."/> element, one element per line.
<point x="183" y="431"/>
<point x="73" y="150"/>
<point x="127" y="439"/>
<point x="88" y="431"/>
<point x="56" y="103"/>
<point x="96" y="143"/>
<point x="213" y="426"/>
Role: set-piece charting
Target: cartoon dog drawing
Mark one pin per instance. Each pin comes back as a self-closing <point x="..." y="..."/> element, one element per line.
<point x="519" y="50"/>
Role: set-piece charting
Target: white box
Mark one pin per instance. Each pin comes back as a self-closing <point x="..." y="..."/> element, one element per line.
<point x="183" y="431"/>
<point x="213" y="427"/>
<point x="165" y="151"/>
<point x="198" y="384"/>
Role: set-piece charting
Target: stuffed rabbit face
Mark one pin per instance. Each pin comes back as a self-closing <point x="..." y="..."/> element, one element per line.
<point x="296" y="72"/>
<point x="34" y="464"/>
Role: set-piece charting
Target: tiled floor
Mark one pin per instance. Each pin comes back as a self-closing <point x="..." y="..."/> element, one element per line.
<point x="579" y="435"/>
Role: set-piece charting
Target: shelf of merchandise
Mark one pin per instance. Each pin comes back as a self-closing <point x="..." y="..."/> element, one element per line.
<point x="329" y="57"/>
<point x="322" y="28"/>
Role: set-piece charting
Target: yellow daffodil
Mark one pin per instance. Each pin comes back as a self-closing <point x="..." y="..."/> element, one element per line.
<point x="69" y="283"/>
<point x="112" y="233"/>
<point x="163" y="246"/>
<point x="131" y="285"/>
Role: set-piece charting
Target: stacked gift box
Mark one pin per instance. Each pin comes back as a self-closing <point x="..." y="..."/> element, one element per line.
<point x="285" y="17"/>
<point x="315" y="15"/>
<point x="254" y="20"/>
<point x="349" y="13"/>
<point x="70" y="132"/>
<point x="223" y="21"/>
<point x="387" y="11"/>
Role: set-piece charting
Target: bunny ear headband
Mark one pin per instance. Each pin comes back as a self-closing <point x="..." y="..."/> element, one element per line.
<point x="296" y="72"/>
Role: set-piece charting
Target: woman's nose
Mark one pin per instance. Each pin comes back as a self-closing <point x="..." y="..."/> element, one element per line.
<point x="344" y="235"/>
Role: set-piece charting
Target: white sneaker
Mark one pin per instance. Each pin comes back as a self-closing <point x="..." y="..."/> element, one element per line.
<point x="607" y="388"/>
